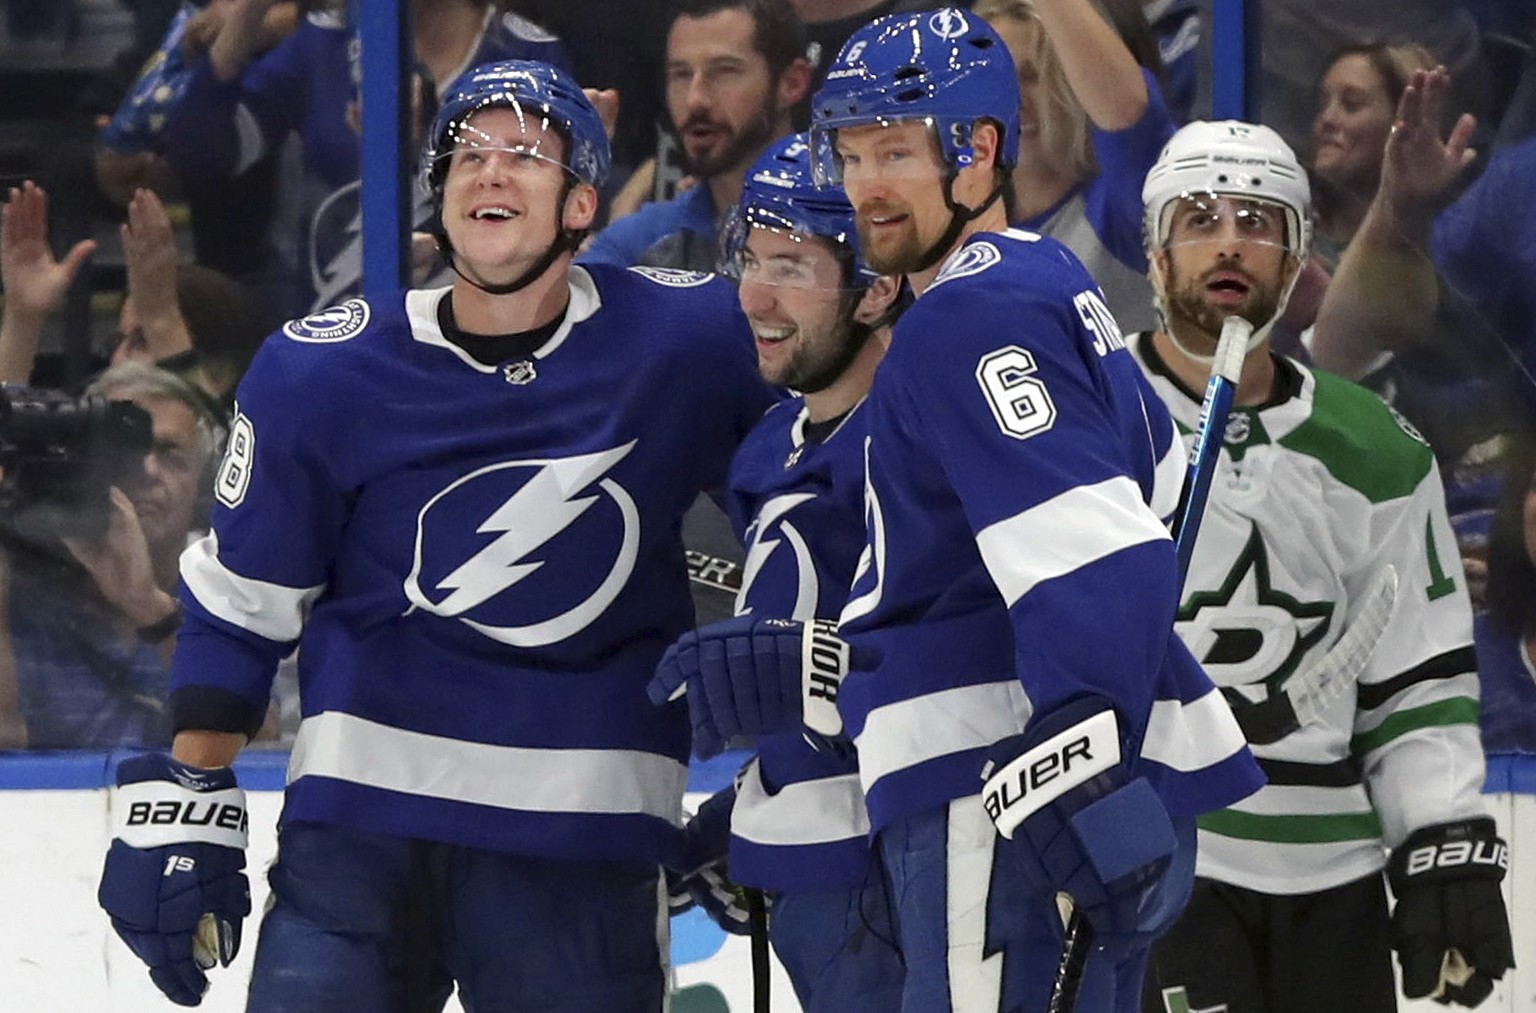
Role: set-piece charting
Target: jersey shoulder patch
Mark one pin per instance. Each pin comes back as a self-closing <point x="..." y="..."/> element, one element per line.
<point x="673" y="277"/>
<point x="527" y="30"/>
<point x="971" y="259"/>
<point x="336" y="323"/>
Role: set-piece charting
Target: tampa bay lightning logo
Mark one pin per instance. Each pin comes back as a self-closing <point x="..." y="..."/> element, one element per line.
<point x="767" y="532"/>
<point x="672" y="277"/>
<point x="503" y="580"/>
<point x="972" y="259"/>
<point x="335" y="324"/>
<point x="948" y="23"/>
<point x="869" y="574"/>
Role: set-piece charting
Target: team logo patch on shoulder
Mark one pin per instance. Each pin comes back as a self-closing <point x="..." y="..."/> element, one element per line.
<point x="673" y="277"/>
<point x="338" y="323"/>
<point x="1406" y="426"/>
<point x="527" y="30"/>
<point x="974" y="259"/>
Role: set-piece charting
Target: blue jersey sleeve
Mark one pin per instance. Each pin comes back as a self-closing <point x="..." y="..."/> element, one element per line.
<point x="248" y="584"/>
<point x="1037" y="417"/>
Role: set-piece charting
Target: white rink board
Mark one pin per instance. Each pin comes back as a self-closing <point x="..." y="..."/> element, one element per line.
<point x="58" y="955"/>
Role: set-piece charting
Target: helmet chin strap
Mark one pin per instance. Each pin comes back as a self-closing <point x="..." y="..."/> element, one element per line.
<point x="959" y="217"/>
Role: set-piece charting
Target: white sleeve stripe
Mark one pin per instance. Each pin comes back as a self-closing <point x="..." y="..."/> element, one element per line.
<point x="268" y="610"/>
<point x="353" y="749"/>
<point x="907" y="732"/>
<point x="1086" y="524"/>
<point x="821" y="811"/>
<point x="1168" y="478"/>
<point x="1191" y="736"/>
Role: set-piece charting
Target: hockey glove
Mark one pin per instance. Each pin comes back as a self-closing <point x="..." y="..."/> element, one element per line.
<point x="749" y="676"/>
<point x="1449" y="928"/>
<point x="704" y="877"/>
<point x="173" y="882"/>
<point x="1073" y="821"/>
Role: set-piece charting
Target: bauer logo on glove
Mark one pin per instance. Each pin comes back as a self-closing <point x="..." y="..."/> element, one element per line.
<point x="1049" y="770"/>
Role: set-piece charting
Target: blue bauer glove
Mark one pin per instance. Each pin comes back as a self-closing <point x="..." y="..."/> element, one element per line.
<point x="1074" y="821"/>
<point x="749" y="676"/>
<point x="173" y="883"/>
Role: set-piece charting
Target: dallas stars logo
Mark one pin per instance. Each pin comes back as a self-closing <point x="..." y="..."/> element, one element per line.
<point x="1246" y="631"/>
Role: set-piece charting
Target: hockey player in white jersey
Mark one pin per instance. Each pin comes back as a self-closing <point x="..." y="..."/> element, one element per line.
<point x="798" y="831"/>
<point x="463" y="504"/>
<point x="1320" y="488"/>
<point x="1017" y="696"/>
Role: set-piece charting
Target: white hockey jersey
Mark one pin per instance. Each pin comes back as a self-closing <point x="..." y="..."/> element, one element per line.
<point x="1314" y="494"/>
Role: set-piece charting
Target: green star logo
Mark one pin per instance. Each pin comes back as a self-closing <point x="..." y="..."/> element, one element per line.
<point x="1246" y="631"/>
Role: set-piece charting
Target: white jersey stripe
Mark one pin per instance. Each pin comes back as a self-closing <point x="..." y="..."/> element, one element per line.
<point x="273" y="611"/>
<point x="908" y="732"/>
<point x="1191" y="736"/>
<point x="1087" y="523"/>
<point x="350" y="748"/>
<point x="1168" y="478"/>
<point x="821" y="811"/>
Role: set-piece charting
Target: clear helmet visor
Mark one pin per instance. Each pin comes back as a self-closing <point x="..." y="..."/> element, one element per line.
<point x="771" y="246"/>
<point x="1196" y="217"/>
<point x="876" y="149"/>
<point x="519" y="143"/>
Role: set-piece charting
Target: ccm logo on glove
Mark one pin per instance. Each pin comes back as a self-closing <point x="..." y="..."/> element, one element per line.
<point x="1455" y="854"/>
<point x="1049" y="770"/>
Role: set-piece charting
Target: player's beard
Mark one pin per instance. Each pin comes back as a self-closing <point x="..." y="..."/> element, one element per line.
<point x="904" y="256"/>
<point x="816" y="365"/>
<point x="1188" y="305"/>
<point x="743" y="146"/>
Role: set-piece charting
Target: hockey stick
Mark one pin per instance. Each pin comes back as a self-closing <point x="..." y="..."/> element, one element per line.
<point x="1304" y="696"/>
<point x="1226" y="370"/>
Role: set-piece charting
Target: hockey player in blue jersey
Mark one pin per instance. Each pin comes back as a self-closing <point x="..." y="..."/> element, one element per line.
<point x="1025" y="719"/>
<point x="798" y="831"/>
<point x="463" y="505"/>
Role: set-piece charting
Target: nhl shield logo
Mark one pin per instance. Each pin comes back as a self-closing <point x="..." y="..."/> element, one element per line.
<point x="519" y="372"/>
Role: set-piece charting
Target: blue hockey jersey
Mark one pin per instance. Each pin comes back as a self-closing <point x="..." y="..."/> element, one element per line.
<point x="1019" y="473"/>
<point x="798" y="505"/>
<point x="481" y="564"/>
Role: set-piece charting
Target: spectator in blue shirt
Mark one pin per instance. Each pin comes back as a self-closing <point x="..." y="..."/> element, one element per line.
<point x="735" y="70"/>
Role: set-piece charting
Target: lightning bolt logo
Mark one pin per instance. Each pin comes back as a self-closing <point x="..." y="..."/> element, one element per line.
<point x="543" y="507"/>
<point x="760" y="548"/>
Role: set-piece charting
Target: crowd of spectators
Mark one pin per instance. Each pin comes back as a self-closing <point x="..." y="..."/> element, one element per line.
<point x="231" y="161"/>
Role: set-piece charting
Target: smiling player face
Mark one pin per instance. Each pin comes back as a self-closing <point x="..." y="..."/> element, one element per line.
<point x="504" y="192"/>
<point x="793" y="294"/>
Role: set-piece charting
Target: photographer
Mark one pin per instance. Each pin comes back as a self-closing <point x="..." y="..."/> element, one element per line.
<point x="92" y="616"/>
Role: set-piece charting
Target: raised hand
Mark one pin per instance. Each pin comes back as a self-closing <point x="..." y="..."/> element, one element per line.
<point x="149" y="252"/>
<point x="1419" y="169"/>
<point x="34" y="281"/>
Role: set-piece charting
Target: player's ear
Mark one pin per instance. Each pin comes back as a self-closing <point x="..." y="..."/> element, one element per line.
<point x="877" y="299"/>
<point x="580" y="208"/>
<point x="986" y="143"/>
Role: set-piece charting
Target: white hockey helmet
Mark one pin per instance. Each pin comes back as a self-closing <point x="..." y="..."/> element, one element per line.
<point x="1232" y="158"/>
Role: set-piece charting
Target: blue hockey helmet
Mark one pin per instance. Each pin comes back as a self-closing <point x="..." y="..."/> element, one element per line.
<point x="779" y="194"/>
<point x="542" y="94"/>
<point x="946" y="66"/>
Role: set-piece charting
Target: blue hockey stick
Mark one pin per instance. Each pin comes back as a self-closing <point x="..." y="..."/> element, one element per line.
<point x="1226" y="369"/>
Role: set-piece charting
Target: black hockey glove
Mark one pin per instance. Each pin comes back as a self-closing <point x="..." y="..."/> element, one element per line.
<point x="1449" y="928"/>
